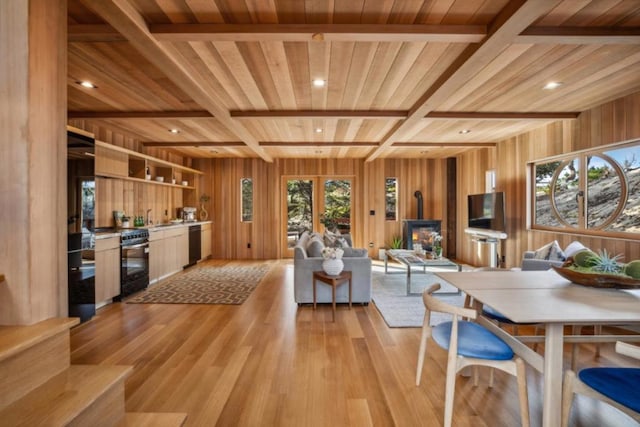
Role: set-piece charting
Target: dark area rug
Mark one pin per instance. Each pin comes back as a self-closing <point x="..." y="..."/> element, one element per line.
<point x="205" y="285"/>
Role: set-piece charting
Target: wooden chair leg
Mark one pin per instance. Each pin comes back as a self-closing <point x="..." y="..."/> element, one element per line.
<point x="521" y="377"/>
<point x="491" y="371"/>
<point x="575" y="330"/>
<point x="535" y="332"/>
<point x="423" y="349"/>
<point x="449" y="392"/>
<point x="567" y="396"/>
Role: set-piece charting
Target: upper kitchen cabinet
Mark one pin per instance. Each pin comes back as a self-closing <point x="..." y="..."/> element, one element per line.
<point x="117" y="162"/>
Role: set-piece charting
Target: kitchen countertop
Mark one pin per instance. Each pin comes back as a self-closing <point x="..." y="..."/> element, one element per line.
<point x="152" y="228"/>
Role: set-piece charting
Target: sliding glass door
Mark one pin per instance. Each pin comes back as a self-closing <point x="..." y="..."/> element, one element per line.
<point x="314" y="204"/>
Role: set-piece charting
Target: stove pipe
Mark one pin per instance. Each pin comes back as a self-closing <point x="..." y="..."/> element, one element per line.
<point x="418" y="195"/>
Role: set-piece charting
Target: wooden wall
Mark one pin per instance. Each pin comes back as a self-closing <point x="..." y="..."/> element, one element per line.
<point x="615" y="121"/>
<point x="230" y="235"/>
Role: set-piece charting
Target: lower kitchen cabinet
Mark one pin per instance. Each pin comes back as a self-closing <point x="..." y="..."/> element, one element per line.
<point x="168" y="252"/>
<point x="205" y="241"/>
<point x="107" y="263"/>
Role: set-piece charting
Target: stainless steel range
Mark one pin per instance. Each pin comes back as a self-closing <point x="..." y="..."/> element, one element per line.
<point x="134" y="275"/>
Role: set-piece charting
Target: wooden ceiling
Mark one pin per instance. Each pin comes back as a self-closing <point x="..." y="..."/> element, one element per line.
<point x="403" y="77"/>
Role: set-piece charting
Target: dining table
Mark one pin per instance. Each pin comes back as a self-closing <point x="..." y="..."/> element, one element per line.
<point x="545" y="297"/>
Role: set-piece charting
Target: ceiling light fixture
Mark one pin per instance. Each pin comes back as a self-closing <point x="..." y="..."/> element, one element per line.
<point x="318" y="130"/>
<point x="87" y="84"/>
<point x="319" y="82"/>
<point x="463" y="131"/>
<point x="174" y="131"/>
<point x="552" y="85"/>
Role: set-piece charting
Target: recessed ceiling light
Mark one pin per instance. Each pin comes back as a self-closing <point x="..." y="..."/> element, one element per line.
<point x="424" y="152"/>
<point x="318" y="130"/>
<point x="318" y="151"/>
<point x="174" y="130"/>
<point x="552" y="85"/>
<point x="319" y="82"/>
<point x="214" y="151"/>
<point x="87" y="84"/>
<point x="463" y="131"/>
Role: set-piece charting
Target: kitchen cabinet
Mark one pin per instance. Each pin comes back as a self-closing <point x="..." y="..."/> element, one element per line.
<point x="107" y="265"/>
<point x="205" y="241"/>
<point x="168" y="252"/>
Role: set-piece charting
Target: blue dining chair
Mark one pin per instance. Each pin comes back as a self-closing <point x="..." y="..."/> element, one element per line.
<point x="619" y="387"/>
<point x="468" y="344"/>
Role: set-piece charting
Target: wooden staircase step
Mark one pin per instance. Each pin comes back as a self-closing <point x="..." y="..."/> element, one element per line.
<point x="83" y="395"/>
<point x="154" y="419"/>
<point x="30" y="355"/>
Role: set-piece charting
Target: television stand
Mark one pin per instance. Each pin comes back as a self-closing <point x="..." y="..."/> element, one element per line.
<point x="487" y="237"/>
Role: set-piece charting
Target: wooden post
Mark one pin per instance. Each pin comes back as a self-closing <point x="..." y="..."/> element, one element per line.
<point x="33" y="46"/>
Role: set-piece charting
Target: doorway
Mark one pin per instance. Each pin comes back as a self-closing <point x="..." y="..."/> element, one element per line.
<point x="314" y="203"/>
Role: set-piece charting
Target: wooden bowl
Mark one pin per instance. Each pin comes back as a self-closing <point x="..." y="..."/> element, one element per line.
<point x="598" y="280"/>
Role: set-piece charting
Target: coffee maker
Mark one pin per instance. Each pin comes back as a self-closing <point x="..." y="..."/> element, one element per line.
<point x="189" y="214"/>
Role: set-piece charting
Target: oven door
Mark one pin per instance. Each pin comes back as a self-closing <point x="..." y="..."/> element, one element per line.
<point x="135" y="268"/>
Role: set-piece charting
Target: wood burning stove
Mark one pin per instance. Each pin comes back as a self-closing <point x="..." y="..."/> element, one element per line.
<point x="418" y="231"/>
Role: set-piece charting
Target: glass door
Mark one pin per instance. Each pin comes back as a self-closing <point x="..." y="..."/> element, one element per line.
<point x="314" y="204"/>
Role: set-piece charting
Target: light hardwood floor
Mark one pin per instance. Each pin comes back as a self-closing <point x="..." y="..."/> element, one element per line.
<point x="269" y="362"/>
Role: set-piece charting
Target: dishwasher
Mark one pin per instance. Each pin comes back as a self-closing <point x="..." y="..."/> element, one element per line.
<point x="194" y="244"/>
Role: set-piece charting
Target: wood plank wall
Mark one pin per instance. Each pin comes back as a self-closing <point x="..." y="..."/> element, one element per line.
<point x="615" y="121"/>
<point x="230" y="235"/>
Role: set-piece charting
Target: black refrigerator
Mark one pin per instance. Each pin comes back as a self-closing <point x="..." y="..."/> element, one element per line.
<point x="81" y="225"/>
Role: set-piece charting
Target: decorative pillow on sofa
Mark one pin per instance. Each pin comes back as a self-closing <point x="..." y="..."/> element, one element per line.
<point x="315" y="247"/>
<point x="573" y="248"/>
<point x="335" y="240"/>
<point x="354" y="252"/>
<point x="550" y="252"/>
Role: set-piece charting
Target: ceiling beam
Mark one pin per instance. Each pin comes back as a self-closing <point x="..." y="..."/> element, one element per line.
<point x="445" y="144"/>
<point x="129" y="22"/>
<point x="509" y="23"/>
<point x="319" y="32"/>
<point x="183" y="144"/>
<point x="503" y="115"/>
<point x="320" y="114"/>
<point x="93" y="33"/>
<point x="317" y="144"/>
<point x="579" y="35"/>
<point x="324" y="114"/>
<point x="138" y="114"/>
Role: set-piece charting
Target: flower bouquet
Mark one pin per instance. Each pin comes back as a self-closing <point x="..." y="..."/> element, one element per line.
<point x="332" y="264"/>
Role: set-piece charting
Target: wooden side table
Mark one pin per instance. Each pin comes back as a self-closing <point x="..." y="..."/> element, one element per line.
<point x="334" y="281"/>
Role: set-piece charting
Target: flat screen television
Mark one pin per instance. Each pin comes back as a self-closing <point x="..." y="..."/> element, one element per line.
<point x="486" y="211"/>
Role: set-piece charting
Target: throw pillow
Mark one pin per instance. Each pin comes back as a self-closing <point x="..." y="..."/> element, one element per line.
<point x="573" y="248"/>
<point x="550" y="252"/>
<point x="334" y="240"/>
<point x="315" y="247"/>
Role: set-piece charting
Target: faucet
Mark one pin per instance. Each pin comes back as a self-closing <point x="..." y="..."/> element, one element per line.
<point x="149" y="221"/>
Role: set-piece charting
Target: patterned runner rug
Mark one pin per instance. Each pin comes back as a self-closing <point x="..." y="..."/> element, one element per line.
<point x="205" y="285"/>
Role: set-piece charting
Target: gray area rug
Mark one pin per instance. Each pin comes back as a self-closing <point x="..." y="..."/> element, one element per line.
<point x="205" y="285"/>
<point x="400" y="310"/>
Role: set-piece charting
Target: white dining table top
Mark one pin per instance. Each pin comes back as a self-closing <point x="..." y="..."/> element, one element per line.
<point x="546" y="297"/>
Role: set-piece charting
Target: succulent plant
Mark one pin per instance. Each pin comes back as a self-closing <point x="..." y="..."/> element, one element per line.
<point x="583" y="258"/>
<point x="605" y="263"/>
<point x="633" y="269"/>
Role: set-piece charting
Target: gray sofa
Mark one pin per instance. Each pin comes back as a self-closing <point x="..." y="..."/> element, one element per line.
<point x="306" y="262"/>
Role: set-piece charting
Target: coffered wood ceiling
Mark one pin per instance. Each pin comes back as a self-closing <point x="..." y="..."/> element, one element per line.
<point x="403" y="77"/>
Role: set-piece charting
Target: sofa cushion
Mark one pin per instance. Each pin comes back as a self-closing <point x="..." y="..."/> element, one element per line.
<point x="550" y="252"/>
<point x="315" y="247"/>
<point x="354" y="252"/>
